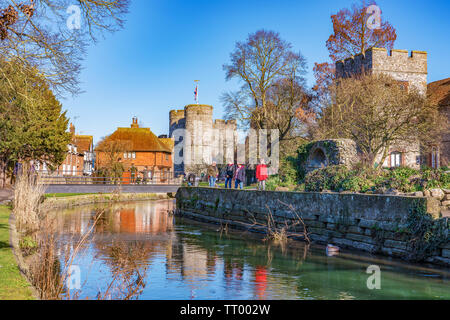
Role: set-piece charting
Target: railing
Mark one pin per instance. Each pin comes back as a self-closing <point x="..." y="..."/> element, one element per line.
<point x="160" y="178"/>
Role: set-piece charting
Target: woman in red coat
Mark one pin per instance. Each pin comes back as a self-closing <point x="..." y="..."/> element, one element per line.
<point x="261" y="175"/>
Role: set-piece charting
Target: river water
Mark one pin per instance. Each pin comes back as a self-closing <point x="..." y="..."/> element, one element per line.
<point x="175" y="258"/>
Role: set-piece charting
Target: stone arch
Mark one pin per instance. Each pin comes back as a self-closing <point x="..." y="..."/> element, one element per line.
<point x="317" y="159"/>
<point x="326" y="153"/>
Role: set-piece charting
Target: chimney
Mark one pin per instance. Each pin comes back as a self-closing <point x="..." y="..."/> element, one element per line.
<point x="135" y="123"/>
<point x="72" y="128"/>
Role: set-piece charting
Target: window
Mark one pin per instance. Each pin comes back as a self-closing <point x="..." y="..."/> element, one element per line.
<point x="167" y="157"/>
<point x="129" y="155"/>
<point x="134" y="155"/>
<point x="396" y="159"/>
<point x="434" y="158"/>
<point x="125" y="155"/>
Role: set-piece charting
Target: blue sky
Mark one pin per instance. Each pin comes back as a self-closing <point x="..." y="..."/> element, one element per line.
<point x="149" y="67"/>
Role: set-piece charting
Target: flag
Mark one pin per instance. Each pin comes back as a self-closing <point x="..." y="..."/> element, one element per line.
<point x="196" y="93"/>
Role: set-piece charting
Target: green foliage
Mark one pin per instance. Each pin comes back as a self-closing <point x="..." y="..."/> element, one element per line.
<point x="288" y="170"/>
<point x="32" y="124"/>
<point x="302" y="157"/>
<point x="28" y="245"/>
<point x="427" y="234"/>
<point x="360" y="179"/>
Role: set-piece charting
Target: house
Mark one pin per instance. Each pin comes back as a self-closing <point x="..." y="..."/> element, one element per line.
<point x="141" y="148"/>
<point x="85" y="145"/>
<point x="439" y="94"/>
<point x="73" y="164"/>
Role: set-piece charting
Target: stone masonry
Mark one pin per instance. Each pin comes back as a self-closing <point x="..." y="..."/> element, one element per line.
<point x="372" y="223"/>
<point x="207" y="140"/>
<point x="409" y="70"/>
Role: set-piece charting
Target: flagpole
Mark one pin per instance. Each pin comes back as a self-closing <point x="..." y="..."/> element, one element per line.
<point x="196" y="90"/>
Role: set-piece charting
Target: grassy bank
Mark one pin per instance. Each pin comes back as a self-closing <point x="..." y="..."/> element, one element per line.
<point x="13" y="286"/>
<point x="65" y="195"/>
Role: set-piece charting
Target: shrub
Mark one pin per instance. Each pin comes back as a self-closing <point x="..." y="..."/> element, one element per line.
<point x="302" y="156"/>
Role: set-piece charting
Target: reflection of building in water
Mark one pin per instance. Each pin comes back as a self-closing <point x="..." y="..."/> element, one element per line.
<point x="144" y="217"/>
<point x="189" y="261"/>
<point x="151" y="217"/>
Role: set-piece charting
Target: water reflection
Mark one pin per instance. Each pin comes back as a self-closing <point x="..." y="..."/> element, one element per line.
<point x="166" y="258"/>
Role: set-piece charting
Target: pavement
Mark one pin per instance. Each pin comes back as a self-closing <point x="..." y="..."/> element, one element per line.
<point x="6" y="194"/>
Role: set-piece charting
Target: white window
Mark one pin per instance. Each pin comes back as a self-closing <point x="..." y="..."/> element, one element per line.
<point x="129" y="155"/>
<point x="134" y="155"/>
<point x="434" y="158"/>
<point x="74" y="168"/>
<point x="125" y="155"/>
<point x="396" y="159"/>
<point x="64" y="169"/>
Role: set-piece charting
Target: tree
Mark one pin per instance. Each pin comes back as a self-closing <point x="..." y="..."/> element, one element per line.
<point x="273" y="91"/>
<point x="376" y="112"/>
<point x="51" y="36"/>
<point x="259" y="63"/>
<point x="32" y="124"/>
<point x="109" y="156"/>
<point x="352" y="36"/>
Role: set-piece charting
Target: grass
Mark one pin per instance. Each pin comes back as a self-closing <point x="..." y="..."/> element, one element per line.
<point x="13" y="285"/>
<point x="64" y="195"/>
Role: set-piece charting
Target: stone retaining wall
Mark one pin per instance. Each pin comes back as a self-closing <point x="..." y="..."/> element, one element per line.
<point x="81" y="200"/>
<point x="373" y="223"/>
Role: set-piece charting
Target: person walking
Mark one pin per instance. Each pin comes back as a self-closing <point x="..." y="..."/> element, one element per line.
<point x="239" y="177"/>
<point x="213" y="172"/>
<point x="230" y="170"/>
<point x="133" y="171"/>
<point x="145" y="175"/>
<point x="261" y="175"/>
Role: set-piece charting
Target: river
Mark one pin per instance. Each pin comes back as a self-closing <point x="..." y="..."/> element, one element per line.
<point x="140" y="250"/>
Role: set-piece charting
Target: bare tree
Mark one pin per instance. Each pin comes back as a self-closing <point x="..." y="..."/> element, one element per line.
<point x="259" y="63"/>
<point x="51" y="35"/>
<point x="376" y="112"/>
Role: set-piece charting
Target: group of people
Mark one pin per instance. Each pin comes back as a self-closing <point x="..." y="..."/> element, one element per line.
<point x="237" y="173"/>
<point x="146" y="175"/>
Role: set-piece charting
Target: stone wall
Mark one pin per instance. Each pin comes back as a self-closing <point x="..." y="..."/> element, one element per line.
<point x="372" y="223"/>
<point x="399" y="64"/>
<point x="332" y="153"/>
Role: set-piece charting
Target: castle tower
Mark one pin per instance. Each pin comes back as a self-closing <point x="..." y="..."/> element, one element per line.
<point x="176" y="121"/>
<point x="199" y="123"/>
<point x="399" y="64"/>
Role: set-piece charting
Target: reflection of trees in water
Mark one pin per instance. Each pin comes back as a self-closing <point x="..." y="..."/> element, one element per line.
<point x="128" y="262"/>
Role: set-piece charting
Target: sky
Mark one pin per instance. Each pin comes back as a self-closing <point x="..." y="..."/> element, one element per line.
<point x="148" y="68"/>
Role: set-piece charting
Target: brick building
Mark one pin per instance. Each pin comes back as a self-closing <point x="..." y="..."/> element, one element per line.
<point x="142" y="149"/>
<point x="74" y="163"/>
<point x="85" y="145"/>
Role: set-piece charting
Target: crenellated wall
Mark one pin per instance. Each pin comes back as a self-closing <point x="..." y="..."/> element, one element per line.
<point x="400" y="64"/>
<point x="209" y="140"/>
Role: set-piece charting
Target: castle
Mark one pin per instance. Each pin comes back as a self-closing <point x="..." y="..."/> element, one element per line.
<point x="200" y="140"/>
<point x="407" y="69"/>
<point x="410" y="70"/>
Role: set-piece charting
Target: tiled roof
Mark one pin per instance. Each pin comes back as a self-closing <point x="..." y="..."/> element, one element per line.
<point x="83" y="143"/>
<point x="439" y="92"/>
<point x="169" y="142"/>
<point x="139" y="139"/>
